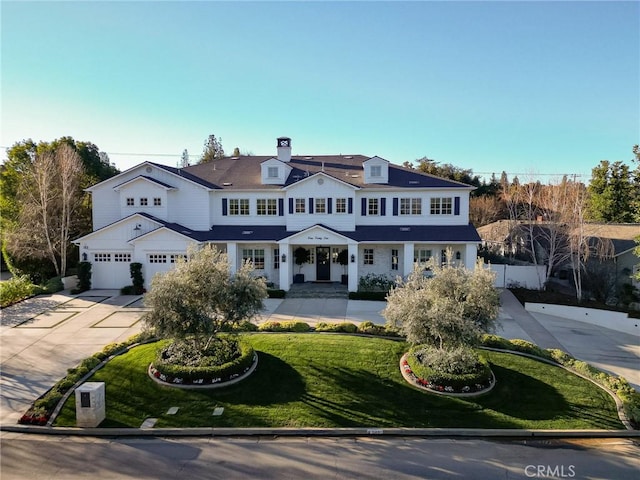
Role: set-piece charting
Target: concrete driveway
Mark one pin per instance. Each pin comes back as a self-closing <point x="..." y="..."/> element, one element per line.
<point x="44" y="336"/>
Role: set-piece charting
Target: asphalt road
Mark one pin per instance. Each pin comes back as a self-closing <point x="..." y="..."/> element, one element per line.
<point x="37" y="457"/>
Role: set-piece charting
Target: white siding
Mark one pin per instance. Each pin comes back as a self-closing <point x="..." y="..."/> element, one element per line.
<point x="217" y="218"/>
<point x="329" y="188"/>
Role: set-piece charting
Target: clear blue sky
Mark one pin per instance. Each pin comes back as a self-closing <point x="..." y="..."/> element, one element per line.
<point x="540" y="87"/>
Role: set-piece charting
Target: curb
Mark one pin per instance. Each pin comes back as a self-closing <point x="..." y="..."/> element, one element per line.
<point x="320" y="432"/>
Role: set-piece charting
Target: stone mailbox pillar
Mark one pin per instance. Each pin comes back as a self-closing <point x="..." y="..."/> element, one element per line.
<point x="90" y="404"/>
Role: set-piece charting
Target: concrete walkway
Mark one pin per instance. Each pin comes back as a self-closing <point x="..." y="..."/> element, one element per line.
<point x="42" y="337"/>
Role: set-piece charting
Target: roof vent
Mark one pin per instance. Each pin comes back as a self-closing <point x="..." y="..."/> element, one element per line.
<point x="227" y="184"/>
<point x="355" y="176"/>
<point x="405" y="229"/>
<point x="235" y="158"/>
<point x="247" y="232"/>
<point x="349" y="157"/>
<point x="308" y="158"/>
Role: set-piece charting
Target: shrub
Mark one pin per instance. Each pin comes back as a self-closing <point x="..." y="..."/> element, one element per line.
<point x="276" y="293"/>
<point x="246" y="326"/>
<point x="459" y="369"/>
<point x="375" y="296"/>
<point x="127" y="290"/>
<point x="135" y="270"/>
<point x="53" y="285"/>
<point x="206" y="372"/>
<point x="15" y="289"/>
<point x="84" y="277"/>
<point x="372" y="282"/>
<point x="371" y="328"/>
<point x="344" y="327"/>
<point x="291" y="326"/>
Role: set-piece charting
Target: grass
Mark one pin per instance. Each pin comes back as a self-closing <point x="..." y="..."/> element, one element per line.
<point x="312" y="380"/>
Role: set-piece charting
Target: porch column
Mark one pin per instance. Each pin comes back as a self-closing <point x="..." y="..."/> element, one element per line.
<point x="408" y="259"/>
<point x="286" y="268"/>
<point x="232" y="255"/>
<point x="470" y="255"/>
<point x="352" y="268"/>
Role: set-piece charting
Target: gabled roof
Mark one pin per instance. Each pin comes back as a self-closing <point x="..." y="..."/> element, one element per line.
<point x="146" y="178"/>
<point x="122" y="220"/>
<point x="240" y="173"/>
<point x="179" y="172"/>
<point x="304" y="178"/>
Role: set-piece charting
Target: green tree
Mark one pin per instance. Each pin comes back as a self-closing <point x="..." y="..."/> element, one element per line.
<point x="449" y="171"/>
<point x="199" y="298"/>
<point x="212" y="149"/>
<point x="448" y="310"/>
<point x="611" y="193"/>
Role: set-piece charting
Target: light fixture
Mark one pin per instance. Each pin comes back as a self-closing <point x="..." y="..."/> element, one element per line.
<point x="84" y="257"/>
<point x="137" y="227"/>
<point x="284" y="258"/>
<point x="353" y="258"/>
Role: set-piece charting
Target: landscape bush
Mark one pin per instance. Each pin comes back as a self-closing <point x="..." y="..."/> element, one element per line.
<point x="373" y="296"/>
<point x="15" y="289"/>
<point x="343" y="327"/>
<point x="276" y="293"/>
<point x="239" y="357"/>
<point x="372" y="282"/>
<point x="459" y="368"/>
<point x="290" y="326"/>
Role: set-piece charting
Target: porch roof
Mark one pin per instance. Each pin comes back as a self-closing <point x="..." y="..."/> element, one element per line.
<point x="377" y="233"/>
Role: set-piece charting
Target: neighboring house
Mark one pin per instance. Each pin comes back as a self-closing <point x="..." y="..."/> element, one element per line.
<point x="262" y="208"/>
<point x="614" y="241"/>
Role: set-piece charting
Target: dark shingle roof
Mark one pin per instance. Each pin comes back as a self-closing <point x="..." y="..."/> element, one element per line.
<point x="244" y="172"/>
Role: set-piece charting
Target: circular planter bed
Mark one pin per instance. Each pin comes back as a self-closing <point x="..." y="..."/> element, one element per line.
<point x="479" y="386"/>
<point x="205" y="381"/>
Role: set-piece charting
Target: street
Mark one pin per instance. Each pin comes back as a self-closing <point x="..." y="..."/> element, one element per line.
<point x="56" y="458"/>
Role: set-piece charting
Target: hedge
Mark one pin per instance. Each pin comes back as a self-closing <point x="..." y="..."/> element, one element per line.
<point x="180" y="374"/>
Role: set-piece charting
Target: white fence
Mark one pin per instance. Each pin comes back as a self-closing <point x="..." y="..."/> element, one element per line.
<point x="618" y="321"/>
<point x="529" y="276"/>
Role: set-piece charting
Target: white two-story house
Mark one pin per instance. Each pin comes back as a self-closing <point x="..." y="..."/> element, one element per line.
<point x="263" y="208"/>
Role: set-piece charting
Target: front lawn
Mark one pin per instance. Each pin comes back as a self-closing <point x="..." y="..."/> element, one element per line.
<point x="316" y="380"/>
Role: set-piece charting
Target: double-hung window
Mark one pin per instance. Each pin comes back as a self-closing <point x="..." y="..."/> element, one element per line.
<point x="320" y="205"/>
<point x="373" y="206"/>
<point x="410" y="206"/>
<point x="441" y="206"/>
<point x="238" y="206"/>
<point x="255" y="256"/>
<point x="341" y="205"/>
<point x="267" y="206"/>
<point x="300" y="205"/>
<point x="421" y="255"/>
<point x="368" y="256"/>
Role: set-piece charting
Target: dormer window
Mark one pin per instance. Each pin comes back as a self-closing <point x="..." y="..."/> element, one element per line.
<point x="272" y="172"/>
<point x="144" y="202"/>
<point x="376" y="171"/>
<point x="130" y="202"/>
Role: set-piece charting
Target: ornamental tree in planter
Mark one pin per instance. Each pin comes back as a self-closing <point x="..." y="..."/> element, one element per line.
<point x="301" y="256"/>
<point x="343" y="259"/>
<point x="446" y="312"/>
<point x="199" y="299"/>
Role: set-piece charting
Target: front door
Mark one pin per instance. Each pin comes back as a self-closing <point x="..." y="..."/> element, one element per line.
<point x="323" y="264"/>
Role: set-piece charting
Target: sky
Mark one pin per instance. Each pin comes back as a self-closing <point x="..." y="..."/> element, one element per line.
<point x="531" y="88"/>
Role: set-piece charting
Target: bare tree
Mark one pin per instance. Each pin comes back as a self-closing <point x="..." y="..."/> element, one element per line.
<point x="485" y="210"/>
<point x="50" y="197"/>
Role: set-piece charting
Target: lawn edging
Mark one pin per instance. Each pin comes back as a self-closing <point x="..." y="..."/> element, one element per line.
<point x="619" y="404"/>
